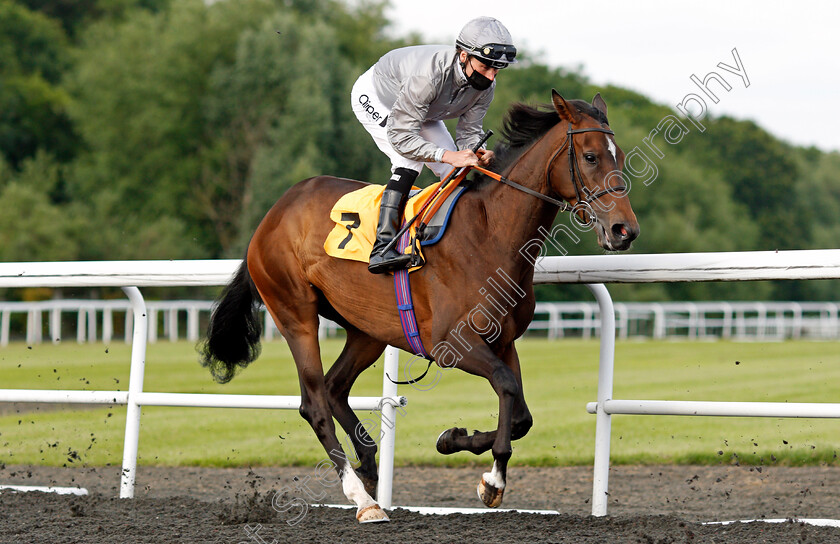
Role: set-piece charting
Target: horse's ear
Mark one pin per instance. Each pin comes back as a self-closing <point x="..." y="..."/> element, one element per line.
<point x="566" y="111"/>
<point x="599" y="103"/>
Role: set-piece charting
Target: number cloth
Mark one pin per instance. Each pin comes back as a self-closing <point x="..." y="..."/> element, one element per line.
<point x="355" y="216"/>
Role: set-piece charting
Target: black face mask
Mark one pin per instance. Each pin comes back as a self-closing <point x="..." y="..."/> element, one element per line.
<point x="477" y="81"/>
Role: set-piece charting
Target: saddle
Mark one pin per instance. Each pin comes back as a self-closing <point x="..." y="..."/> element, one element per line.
<point x="356" y="215"/>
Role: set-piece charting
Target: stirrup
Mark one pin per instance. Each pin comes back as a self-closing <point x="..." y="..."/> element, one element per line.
<point x="380" y="264"/>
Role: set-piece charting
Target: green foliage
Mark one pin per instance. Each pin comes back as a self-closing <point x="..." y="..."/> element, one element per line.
<point x="206" y="114"/>
<point x="762" y="172"/>
<point x="32" y="226"/>
<point x="141" y="88"/>
<point x="33" y="117"/>
<point x="74" y="15"/>
<point x="31" y="43"/>
<point x="531" y="84"/>
<point x="158" y="129"/>
<point x="33" y="57"/>
<point x="817" y="200"/>
<point x="278" y="112"/>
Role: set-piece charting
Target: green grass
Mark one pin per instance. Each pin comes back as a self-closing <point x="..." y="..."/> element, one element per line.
<point x="560" y="378"/>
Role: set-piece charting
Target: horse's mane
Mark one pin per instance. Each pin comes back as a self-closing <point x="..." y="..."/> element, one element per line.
<point x="523" y="125"/>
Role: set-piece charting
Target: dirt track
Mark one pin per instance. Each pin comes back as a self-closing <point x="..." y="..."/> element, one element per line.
<point x="647" y="504"/>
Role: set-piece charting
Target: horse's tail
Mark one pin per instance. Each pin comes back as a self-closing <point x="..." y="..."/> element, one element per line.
<point x="233" y="336"/>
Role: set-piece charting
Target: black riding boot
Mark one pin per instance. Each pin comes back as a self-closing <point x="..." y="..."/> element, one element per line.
<point x="390" y="215"/>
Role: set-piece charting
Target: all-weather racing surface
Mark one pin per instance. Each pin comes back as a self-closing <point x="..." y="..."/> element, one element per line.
<point x="647" y="504"/>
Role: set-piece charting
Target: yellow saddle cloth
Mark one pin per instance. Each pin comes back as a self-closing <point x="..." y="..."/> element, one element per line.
<point x="356" y="215"/>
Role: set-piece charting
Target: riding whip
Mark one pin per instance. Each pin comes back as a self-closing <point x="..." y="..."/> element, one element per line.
<point x="453" y="174"/>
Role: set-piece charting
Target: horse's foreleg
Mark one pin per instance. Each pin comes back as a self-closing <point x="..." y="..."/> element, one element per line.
<point x="521" y="420"/>
<point x="458" y="439"/>
<point x="360" y="351"/>
<point x="483" y="362"/>
<point x="492" y="484"/>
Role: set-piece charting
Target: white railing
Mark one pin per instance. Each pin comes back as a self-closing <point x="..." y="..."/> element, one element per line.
<point x="95" y="319"/>
<point x="693" y="320"/>
<point x="91" y="314"/>
<point x="591" y="270"/>
<point x="683" y="267"/>
<point x="128" y="275"/>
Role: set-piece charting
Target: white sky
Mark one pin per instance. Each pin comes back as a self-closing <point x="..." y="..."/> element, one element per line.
<point x="789" y="50"/>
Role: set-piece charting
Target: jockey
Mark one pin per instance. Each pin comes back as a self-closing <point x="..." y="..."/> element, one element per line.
<point x="402" y="102"/>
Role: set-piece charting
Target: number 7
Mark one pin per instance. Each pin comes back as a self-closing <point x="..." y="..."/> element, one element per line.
<point x="354" y="217"/>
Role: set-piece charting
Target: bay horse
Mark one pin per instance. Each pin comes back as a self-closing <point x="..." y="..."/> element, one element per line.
<point x="554" y="157"/>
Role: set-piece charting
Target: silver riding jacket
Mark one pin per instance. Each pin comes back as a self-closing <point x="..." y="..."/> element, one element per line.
<point x="426" y="83"/>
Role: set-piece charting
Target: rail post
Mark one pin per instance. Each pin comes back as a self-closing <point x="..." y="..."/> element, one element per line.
<point x="388" y="426"/>
<point x="135" y="389"/>
<point x="603" y="421"/>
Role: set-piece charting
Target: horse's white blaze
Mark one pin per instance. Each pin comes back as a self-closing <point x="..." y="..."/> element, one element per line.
<point x="353" y="487"/>
<point x="611" y="146"/>
<point x="494" y="478"/>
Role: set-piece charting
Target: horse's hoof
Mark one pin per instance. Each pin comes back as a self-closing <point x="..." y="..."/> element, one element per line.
<point x="370" y="484"/>
<point x="446" y="440"/>
<point x="489" y="495"/>
<point x="371" y="514"/>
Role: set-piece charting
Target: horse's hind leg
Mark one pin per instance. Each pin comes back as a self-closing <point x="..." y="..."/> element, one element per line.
<point x="315" y="408"/>
<point x="360" y="351"/>
<point x="299" y="324"/>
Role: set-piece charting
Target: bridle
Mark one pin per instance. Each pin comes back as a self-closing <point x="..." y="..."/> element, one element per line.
<point x="583" y="196"/>
<point x="582" y="193"/>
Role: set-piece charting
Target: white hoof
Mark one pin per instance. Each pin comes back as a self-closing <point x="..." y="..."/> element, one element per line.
<point x="490" y="495"/>
<point x="371" y="514"/>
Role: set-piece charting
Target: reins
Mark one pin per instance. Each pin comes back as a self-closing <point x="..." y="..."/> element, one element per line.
<point x="564" y="206"/>
<point x="582" y="193"/>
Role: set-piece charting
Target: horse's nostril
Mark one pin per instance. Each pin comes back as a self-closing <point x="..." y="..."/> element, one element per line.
<point x="624" y="233"/>
<point x="620" y="231"/>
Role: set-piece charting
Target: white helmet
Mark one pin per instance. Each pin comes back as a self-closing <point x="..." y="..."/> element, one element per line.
<point x="487" y="39"/>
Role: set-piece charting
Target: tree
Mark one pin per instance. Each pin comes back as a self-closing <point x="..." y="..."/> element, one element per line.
<point x="171" y="128"/>
<point x="74" y="15"/>
<point x="762" y="173"/>
<point x="32" y="227"/>
<point x="273" y="114"/>
<point x="205" y="115"/>
<point x="311" y="129"/>
<point x="33" y="106"/>
<point x="141" y="89"/>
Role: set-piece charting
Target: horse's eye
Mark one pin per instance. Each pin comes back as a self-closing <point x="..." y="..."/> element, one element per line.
<point x="590" y="158"/>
